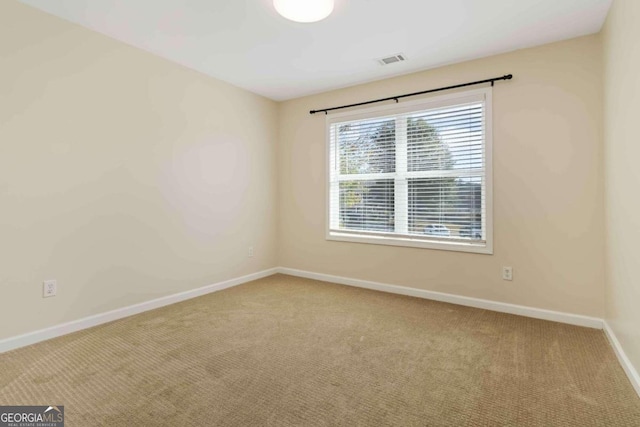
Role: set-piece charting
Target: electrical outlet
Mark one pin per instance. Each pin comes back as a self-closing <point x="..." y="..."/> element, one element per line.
<point x="250" y="251"/>
<point x="49" y="288"/>
<point x="507" y="273"/>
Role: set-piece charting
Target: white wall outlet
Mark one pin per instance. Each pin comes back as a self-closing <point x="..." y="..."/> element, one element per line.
<point x="250" y="251"/>
<point x="507" y="273"/>
<point x="49" y="288"/>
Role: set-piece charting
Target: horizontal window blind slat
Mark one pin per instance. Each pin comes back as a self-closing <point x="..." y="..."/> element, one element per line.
<point x="456" y="239"/>
<point x="432" y="174"/>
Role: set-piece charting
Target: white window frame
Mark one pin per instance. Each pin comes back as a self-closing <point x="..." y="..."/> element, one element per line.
<point x="401" y="194"/>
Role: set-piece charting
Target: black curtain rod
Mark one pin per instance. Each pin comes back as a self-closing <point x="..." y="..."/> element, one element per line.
<point x="396" y="98"/>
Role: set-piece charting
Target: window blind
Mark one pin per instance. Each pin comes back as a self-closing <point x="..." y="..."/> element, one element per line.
<point x="416" y="173"/>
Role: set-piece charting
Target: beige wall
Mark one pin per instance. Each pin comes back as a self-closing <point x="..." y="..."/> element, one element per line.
<point x="622" y="175"/>
<point x="548" y="185"/>
<point x="122" y="175"/>
<point x="127" y="177"/>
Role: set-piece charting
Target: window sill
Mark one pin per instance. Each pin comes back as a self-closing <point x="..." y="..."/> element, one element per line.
<point x="484" y="248"/>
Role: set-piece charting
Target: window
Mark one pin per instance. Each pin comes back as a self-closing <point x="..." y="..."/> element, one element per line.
<point x="413" y="174"/>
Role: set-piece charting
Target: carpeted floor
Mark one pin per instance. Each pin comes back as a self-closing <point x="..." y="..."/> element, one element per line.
<point x="285" y="351"/>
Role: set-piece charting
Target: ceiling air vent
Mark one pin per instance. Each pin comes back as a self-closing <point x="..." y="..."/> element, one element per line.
<point x="393" y="59"/>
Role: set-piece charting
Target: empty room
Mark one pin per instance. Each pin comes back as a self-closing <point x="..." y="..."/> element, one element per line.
<point x="319" y="213"/>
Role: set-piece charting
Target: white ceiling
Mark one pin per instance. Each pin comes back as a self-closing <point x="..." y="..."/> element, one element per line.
<point x="246" y="43"/>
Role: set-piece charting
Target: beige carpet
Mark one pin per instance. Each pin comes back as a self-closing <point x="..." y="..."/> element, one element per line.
<point x="284" y="351"/>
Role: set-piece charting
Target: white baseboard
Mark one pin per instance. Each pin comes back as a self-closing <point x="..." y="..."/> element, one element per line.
<point x="109" y="316"/>
<point x="537" y="313"/>
<point x="628" y="367"/>
<point x="521" y="310"/>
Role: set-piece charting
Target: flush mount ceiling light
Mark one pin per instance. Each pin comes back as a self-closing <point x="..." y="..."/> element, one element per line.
<point x="304" y="10"/>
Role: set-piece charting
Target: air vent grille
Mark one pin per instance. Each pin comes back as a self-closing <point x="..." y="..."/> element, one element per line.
<point x="392" y="59"/>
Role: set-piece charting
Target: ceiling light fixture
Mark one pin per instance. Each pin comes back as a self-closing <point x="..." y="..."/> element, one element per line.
<point x="304" y="10"/>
